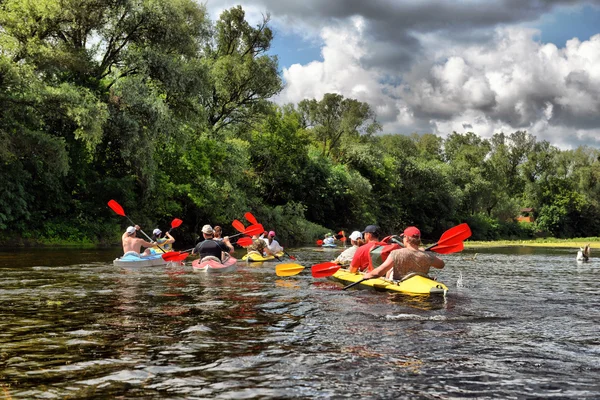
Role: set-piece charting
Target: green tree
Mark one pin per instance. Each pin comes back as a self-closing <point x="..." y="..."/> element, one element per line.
<point x="241" y="75"/>
<point x="334" y="120"/>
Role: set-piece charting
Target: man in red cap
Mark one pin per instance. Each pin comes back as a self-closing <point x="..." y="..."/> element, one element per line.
<point x="408" y="259"/>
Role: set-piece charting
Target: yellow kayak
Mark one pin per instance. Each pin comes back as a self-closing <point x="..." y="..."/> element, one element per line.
<point x="411" y="284"/>
<point x="254" y="256"/>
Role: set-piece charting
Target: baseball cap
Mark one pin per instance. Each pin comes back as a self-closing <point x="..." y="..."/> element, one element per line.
<point x="156" y="232"/>
<point x="272" y="233"/>
<point x="371" y="229"/>
<point x="412" y="231"/>
<point x="355" y="235"/>
<point x="130" y="230"/>
<point x="207" y="229"/>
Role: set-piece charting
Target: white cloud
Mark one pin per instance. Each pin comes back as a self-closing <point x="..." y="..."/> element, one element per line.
<point x="513" y="82"/>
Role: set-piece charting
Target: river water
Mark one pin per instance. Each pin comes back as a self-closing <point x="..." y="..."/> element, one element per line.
<point x="516" y="324"/>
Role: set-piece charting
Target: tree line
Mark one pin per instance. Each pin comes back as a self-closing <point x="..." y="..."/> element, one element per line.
<point x="153" y="104"/>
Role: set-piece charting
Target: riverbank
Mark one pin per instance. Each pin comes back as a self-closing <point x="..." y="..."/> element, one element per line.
<point x="575" y="243"/>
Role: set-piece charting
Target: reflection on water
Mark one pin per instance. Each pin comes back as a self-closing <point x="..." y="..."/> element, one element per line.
<point x="518" y="323"/>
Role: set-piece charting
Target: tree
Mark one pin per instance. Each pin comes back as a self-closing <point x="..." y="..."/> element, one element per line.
<point x="335" y="120"/>
<point x="241" y="76"/>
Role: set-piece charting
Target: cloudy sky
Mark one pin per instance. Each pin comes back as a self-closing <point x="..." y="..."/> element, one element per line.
<point x="437" y="66"/>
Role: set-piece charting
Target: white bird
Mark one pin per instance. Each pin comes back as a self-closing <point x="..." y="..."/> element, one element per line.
<point x="584" y="253"/>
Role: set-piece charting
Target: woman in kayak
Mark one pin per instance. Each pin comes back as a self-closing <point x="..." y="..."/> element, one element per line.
<point x="164" y="241"/>
<point x="408" y="259"/>
<point x="210" y="248"/>
<point x="272" y="244"/>
<point x="346" y="256"/>
<point x="218" y="231"/>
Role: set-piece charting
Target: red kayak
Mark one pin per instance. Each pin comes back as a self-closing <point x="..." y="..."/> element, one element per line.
<point x="214" y="265"/>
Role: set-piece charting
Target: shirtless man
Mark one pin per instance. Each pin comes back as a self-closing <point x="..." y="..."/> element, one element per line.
<point x="133" y="245"/>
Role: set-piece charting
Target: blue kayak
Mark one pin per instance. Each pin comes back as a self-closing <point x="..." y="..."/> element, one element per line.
<point x="144" y="261"/>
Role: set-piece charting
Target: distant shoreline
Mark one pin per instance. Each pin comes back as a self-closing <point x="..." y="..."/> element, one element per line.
<point x="557" y="243"/>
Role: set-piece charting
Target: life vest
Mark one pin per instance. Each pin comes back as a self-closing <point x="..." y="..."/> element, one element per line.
<point x="380" y="252"/>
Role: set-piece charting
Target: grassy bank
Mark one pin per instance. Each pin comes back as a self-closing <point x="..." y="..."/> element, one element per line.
<point x="594" y="243"/>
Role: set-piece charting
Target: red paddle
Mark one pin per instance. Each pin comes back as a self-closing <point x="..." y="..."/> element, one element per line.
<point x="251" y="231"/>
<point x="319" y="242"/>
<point x="238" y="226"/>
<point x="175" y="223"/>
<point x="245" y="241"/>
<point x="250" y="218"/>
<point x="324" y="270"/>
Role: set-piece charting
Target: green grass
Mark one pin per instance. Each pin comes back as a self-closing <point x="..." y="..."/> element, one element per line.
<point x="594" y="242"/>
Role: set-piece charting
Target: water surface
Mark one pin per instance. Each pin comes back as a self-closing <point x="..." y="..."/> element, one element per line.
<point x="516" y="323"/>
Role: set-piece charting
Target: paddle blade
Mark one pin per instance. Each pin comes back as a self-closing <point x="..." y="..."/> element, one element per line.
<point x="238" y="226"/>
<point x="319" y="242"/>
<point x="170" y="256"/>
<point x="324" y="270"/>
<point x="245" y="241"/>
<point x="116" y="207"/>
<point x="180" y="257"/>
<point x="175" y="223"/>
<point x="254" y="230"/>
<point x="448" y="249"/>
<point x="455" y="235"/>
<point x="288" y="269"/>
<point x="250" y="218"/>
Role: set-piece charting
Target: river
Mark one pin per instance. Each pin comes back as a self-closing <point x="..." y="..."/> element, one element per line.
<point x="519" y="323"/>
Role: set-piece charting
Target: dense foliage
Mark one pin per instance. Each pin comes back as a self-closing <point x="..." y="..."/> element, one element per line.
<point x="152" y="104"/>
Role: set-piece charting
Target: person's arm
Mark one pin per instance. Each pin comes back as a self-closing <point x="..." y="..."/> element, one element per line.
<point x="227" y="244"/>
<point x="436" y="262"/>
<point x="381" y="270"/>
<point x="170" y="239"/>
<point x="147" y="244"/>
<point x="355" y="263"/>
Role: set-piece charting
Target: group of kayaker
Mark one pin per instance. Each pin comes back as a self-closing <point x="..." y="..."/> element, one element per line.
<point x="213" y="245"/>
<point x="399" y="262"/>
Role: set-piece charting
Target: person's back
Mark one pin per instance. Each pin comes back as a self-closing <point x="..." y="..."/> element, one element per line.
<point x="210" y="247"/>
<point x="409" y="259"/>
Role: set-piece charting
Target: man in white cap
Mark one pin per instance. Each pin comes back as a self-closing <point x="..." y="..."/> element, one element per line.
<point x="132" y="245"/>
<point x="346" y="256"/>
<point x="210" y="247"/>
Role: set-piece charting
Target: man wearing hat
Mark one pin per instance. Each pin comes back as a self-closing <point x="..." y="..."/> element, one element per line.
<point x="132" y="245"/>
<point x="362" y="258"/>
<point x="210" y="247"/>
<point x="408" y="259"/>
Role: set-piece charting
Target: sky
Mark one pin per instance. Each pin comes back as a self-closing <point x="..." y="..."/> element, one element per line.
<point x="443" y="66"/>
